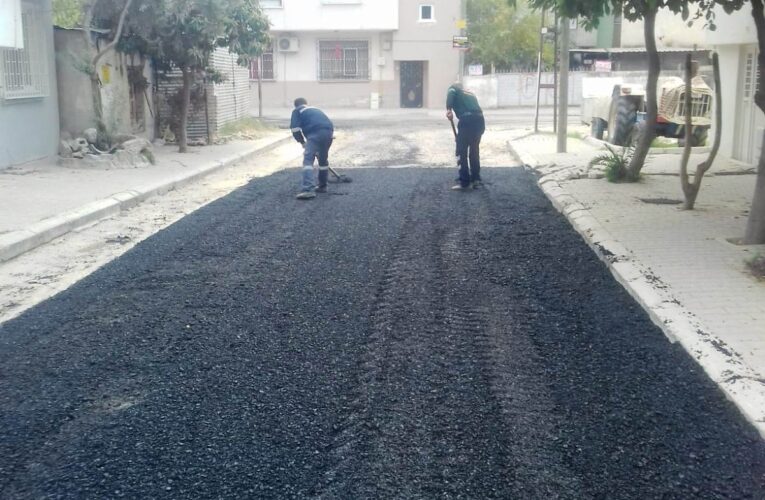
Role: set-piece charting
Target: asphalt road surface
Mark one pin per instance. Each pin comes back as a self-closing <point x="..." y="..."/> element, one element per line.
<point x="390" y="339"/>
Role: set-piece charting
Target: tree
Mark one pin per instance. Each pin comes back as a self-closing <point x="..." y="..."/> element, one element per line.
<point x="504" y="36"/>
<point x="67" y="13"/>
<point x="755" y="228"/>
<point x="107" y="18"/>
<point x="691" y="188"/>
<point x="89" y="15"/>
<point x="590" y="11"/>
<point x="182" y="34"/>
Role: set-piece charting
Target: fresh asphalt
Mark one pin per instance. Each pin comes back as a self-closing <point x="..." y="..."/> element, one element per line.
<point x="390" y="339"/>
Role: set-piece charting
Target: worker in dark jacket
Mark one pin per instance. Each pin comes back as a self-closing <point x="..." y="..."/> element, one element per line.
<point x="470" y="128"/>
<point x="311" y="128"/>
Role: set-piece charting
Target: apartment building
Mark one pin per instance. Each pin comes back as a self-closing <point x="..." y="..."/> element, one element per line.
<point x="359" y="53"/>
<point x="28" y="98"/>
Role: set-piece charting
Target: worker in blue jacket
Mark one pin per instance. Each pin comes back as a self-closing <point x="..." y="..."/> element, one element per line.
<point x="314" y="130"/>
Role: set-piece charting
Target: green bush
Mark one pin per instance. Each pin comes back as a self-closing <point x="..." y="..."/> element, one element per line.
<point x="615" y="163"/>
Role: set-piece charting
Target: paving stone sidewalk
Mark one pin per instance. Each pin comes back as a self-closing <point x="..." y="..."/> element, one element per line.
<point x="680" y="265"/>
<point x="41" y="201"/>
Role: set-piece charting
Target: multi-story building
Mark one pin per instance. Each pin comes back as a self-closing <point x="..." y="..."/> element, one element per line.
<point x="360" y="53"/>
<point x="28" y="100"/>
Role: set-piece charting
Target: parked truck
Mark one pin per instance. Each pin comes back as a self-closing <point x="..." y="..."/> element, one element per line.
<point x="620" y="114"/>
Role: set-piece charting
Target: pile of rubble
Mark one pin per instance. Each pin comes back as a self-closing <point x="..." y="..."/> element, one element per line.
<point x="91" y="151"/>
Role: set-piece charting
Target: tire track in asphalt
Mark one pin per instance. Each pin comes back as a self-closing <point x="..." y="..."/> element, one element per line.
<point x="427" y="421"/>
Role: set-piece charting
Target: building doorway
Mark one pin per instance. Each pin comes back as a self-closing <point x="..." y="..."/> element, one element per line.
<point x="412" y="83"/>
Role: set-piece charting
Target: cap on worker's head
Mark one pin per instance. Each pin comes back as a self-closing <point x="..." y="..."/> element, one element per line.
<point x="300" y="101"/>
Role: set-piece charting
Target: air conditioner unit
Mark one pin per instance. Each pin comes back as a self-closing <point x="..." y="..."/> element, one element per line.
<point x="289" y="44"/>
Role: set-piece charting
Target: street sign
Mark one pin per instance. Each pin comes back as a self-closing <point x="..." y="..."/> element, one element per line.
<point x="460" y="42"/>
<point x="461" y="24"/>
<point x="475" y="70"/>
<point x="604" y="66"/>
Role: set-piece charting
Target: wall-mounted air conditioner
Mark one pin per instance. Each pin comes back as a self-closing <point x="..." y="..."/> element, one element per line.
<point x="288" y="44"/>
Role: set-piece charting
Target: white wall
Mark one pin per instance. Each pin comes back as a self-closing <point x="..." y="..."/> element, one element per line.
<point x="671" y="31"/>
<point x="29" y="127"/>
<point x="735" y="28"/>
<point x="11" y="34"/>
<point x="320" y="15"/>
<point x="302" y="66"/>
<point x="729" y="71"/>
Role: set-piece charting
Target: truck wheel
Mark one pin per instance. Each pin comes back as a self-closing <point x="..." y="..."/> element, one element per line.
<point x="598" y="128"/>
<point x="699" y="137"/>
<point x="623" y="118"/>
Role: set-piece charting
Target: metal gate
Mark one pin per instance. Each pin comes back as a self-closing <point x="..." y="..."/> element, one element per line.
<point x="412" y="77"/>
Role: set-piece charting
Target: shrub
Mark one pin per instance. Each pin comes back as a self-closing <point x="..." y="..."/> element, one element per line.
<point x="615" y="163"/>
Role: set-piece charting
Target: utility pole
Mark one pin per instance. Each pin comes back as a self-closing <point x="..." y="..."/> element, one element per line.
<point x="539" y="70"/>
<point x="556" y="61"/>
<point x="463" y="32"/>
<point x="563" y="100"/>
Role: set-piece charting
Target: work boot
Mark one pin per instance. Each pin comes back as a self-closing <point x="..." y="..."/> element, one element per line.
<point x="460" y="187"/>
<point x="477" y="184"/>
<point x="306" y="195"/>
<point x="323" y="177"/>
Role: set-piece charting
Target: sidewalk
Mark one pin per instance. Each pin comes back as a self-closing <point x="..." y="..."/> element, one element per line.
<point x="41" y="201"/>
<point x="679" y="265"/>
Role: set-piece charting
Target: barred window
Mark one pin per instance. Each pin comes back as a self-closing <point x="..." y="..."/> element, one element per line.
<point x="344" y="60"/>
<point x="264" y="64"/>
<point x="24" y="72"/>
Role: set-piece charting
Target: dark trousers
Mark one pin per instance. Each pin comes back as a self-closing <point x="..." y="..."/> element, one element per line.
<point x="316" y="147"/>
<point x="469" y="132"/>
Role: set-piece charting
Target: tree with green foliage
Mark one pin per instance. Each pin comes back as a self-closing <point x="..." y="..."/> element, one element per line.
<point x="691" y="10"/>
<point x="67" y="13"/>
<point x="182" y="34"/>
<point x="504" y="36"/>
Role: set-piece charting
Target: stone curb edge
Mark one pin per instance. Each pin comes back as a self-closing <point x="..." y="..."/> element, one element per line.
<point x="18" y="242"/>
<point x="740" y="383"/>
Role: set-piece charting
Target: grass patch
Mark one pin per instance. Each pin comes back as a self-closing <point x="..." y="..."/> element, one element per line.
<point x="244" y="128"/>
<point x="663" y="143"/>
<point x="756" y="265"/>
<point x="615" y="163"/>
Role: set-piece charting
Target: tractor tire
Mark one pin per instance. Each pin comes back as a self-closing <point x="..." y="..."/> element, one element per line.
<point x="623" y="117"/>
<point x="598" y="128"/>
<point x="636" y="133"/>
<point x="699" y="137"/>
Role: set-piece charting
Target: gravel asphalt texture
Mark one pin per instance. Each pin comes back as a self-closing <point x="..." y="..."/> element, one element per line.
<point x="390" y="339"/>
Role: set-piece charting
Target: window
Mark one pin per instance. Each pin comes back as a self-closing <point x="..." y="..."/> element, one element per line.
<point x="271" y="4"/>
<point x="426" y="13"/>
<point x="24" y="72"/>
<point x="263" y="64"/>
<point x="343" y="60"/>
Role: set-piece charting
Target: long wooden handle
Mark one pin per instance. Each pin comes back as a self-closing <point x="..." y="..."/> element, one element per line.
<point x="454" y="129"/>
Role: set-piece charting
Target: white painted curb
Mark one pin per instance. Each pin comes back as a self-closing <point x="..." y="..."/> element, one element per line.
<point x="740" y="383"/>
<point x="18" y="242"/>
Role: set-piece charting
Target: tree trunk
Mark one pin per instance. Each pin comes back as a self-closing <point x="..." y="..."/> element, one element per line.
<point x="260" y="86"/>
<point x="691" y="190"/>
<point x="755" y="228"/>
<point x="654" y="69"/>
<point x="184" y="112"/>
<point x="98" y="107"/>
<point x="688" y="189"/>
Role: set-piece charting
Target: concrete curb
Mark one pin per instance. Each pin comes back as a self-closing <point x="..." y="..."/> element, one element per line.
<point x="740" y="383"/>
<point x="18" y="242"/>
<point x="598" y="143"/>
